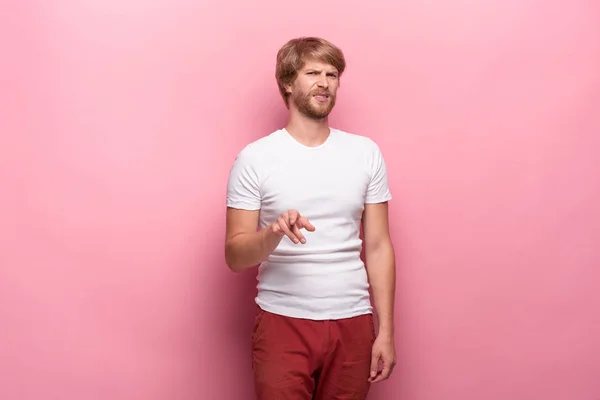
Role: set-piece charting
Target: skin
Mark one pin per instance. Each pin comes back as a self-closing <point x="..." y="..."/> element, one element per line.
<point x="246" y="247"/>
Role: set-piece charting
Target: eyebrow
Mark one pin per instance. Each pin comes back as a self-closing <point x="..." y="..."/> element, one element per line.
<point x="320" y="70"/>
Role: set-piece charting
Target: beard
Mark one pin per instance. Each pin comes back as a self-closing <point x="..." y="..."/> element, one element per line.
<point x="313" y="108"/>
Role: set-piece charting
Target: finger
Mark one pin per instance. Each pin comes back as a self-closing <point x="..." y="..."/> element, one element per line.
<point x="385" y="373"/>
<point x="284" y="227"/>
<point x="298" y="234"/>
<point x="382" y="376"/>
<point x="374" y="366"/>
<point x="305" y="223"/>
<point x="277" y="229"/>
<point x="379" y="378"/>
<point x="285" y="217"/>
<point x="293" y="216"/>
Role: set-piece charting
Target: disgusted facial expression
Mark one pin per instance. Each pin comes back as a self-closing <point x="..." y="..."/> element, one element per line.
<point x="314" y="89"/>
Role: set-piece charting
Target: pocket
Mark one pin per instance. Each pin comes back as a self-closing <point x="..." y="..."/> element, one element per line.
<point x="372" y="324"/>
<point x="258" y="320"/>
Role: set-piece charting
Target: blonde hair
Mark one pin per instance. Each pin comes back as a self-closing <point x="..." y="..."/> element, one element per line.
<point x="291" y="56"/>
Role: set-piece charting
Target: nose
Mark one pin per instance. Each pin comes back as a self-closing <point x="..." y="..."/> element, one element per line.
<point x="323" y="82"/>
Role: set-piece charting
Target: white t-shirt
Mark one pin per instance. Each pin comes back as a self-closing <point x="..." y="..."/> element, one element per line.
<point x="328" y="184"/>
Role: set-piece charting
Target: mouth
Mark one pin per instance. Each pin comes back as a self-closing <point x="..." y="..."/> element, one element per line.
<point x="321" y="97"/>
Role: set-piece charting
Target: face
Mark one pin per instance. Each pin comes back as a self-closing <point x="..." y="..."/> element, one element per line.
<point x="314" y="90"/>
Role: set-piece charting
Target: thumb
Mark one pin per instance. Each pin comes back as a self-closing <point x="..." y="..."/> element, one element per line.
<point x="374" y="365"/>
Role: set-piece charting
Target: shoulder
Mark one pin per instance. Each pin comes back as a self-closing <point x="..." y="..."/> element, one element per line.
<point x="360" y="142"/>
<point x="255" y="151"/>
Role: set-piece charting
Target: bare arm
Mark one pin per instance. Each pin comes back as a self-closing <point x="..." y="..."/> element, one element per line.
<point x="380" y="263"/>
<point x="246" y="247"/>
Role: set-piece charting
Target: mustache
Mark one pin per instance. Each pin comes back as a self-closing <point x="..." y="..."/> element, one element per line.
<point x="321" y="93"/>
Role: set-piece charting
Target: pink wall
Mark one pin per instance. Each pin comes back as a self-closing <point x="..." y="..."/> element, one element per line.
<point x="120" y="120"/>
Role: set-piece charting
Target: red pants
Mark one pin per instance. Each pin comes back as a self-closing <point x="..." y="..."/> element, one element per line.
<point x="300" y="359"/>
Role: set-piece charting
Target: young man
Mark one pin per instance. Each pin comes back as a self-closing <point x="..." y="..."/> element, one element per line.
<point x="296" y="200"/>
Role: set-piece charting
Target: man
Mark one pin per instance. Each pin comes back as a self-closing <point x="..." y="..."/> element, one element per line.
<point x="296" y="200"/>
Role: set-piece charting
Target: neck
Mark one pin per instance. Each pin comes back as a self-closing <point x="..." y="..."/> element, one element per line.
<point x="309" y="132"/>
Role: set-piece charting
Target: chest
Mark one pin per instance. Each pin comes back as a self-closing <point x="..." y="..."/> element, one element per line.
<point x="333" y="188"/>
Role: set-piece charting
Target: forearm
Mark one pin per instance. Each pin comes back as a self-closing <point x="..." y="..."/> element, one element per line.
<point x="381" y="270"/>
<point x="246" y="250"/>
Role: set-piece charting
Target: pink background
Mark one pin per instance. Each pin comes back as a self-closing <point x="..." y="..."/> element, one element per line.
<point x="120" y="120"/>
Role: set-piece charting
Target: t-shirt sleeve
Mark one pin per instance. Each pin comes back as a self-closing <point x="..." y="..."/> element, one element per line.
<point x="378" y="190"/>
<point x="243" y="190"/>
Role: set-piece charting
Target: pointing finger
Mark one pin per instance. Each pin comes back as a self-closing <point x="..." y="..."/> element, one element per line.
<point x="306" y="224"/>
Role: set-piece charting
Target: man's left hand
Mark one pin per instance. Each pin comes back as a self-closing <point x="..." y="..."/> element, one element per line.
<point x="384" y="351"/>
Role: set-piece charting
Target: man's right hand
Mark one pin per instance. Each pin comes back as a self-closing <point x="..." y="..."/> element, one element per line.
<point x="289" y="224"/>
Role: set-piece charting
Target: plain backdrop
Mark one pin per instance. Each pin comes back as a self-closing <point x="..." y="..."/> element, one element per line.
<point x="119" y="121"/>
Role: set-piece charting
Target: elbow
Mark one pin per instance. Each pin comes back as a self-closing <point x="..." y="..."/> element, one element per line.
<point x="380" y="256"/>
<point x="231" y="262"/>
<point x="229" y="258"/>
<point x="382" y="246"/>
<point x="235" y="259"/>
<point x="235" y="265"/>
